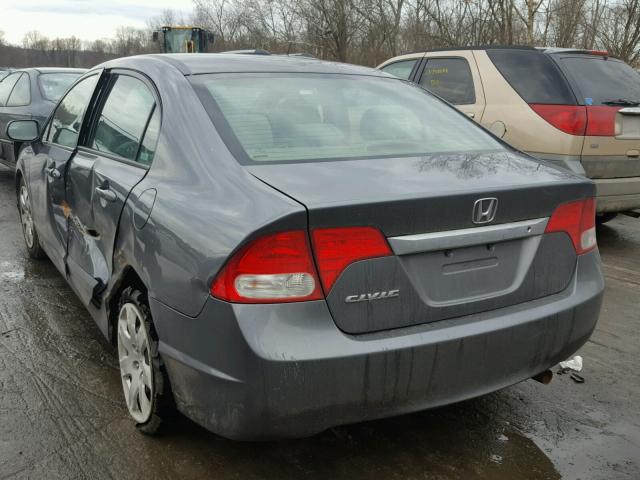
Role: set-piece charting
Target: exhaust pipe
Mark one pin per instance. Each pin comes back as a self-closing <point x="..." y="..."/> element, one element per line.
<point x="544" y="377"/>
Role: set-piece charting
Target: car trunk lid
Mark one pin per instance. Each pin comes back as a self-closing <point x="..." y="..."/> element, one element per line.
<point x="444" y="265"/>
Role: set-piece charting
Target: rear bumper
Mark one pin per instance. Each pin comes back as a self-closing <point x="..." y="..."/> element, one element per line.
<point x="617" y="194"/>
<point x="269" y="371"/>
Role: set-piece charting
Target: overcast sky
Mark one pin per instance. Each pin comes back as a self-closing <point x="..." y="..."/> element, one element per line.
<point x="86" y="19"/>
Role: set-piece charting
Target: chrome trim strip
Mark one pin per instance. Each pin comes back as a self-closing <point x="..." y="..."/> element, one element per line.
<point x="630" y="111"/>
<point x="428" y="242"/>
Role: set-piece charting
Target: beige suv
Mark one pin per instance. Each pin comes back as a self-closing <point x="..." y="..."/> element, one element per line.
<point x="577" y="108"/>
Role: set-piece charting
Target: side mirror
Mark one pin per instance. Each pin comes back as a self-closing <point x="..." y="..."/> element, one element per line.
<point x="23" y="130"/>
<point x="211" y="38"/>
<point x="154" y="36"/>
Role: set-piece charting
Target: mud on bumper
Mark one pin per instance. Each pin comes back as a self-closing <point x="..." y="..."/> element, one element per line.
<point x="260" y="372"/>
<point x="617" y="194"/>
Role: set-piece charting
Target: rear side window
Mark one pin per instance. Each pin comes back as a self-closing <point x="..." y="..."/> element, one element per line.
<point x="21" y="93"/>
<point x="148" y="147"/>
<point x="6" y="86"/>
<point x="449" y="78"/>
<point x="401" y="69"/>
<point x="53" y="85"/>
<point x="533" y="75"/>
<point x="123" y="119"/>
<point x="601" y="80"/>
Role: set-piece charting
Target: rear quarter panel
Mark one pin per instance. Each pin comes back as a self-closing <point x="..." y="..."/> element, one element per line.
<point x="525" y="130"/>
<point x="206" y="203"/>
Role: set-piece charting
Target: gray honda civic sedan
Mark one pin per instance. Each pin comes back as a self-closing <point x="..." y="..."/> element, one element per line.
<point x="278" y="245"/>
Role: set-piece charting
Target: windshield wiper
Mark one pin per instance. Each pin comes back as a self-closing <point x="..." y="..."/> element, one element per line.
<point x="622" y="101"/>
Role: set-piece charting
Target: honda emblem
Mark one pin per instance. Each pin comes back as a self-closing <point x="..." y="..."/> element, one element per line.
<point x="484" y="210"/>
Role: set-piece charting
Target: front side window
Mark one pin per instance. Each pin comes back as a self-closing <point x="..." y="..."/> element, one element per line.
<point x="124" y="117"/>
<point x="53" y="85"/>
<point x="6" y="86"/>
<point x="307" y="117"/>
<point x="401" y="69"/>
<point x="67" y="120"/>
<point x="449" y="78"/>
<point x="21" y="93"/>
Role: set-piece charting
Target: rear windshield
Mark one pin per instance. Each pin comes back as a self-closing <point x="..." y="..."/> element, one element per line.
<point x="54" y="85"/>
<point x="533" y="75"/>
<point x="602" y="80"/>
<point x="306" y="117"/>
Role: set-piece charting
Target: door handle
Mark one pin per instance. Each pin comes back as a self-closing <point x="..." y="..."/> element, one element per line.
<point x="53" y="172"/>
<point x="106" y="194"/>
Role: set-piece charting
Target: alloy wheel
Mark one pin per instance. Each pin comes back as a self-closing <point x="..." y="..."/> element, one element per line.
<point x="25" y="216"/>
<point x="135" y="363"/>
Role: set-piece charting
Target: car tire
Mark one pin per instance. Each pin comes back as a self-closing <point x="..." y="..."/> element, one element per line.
<point x="144" y="380"/>
<point x="605" y="217"/>
<point x="31" y="239"/>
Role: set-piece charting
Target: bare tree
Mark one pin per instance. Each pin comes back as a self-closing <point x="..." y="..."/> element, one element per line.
<point x="364" y="31"/>
<point x="527" y="14"/>
<point x="620" y="33"/>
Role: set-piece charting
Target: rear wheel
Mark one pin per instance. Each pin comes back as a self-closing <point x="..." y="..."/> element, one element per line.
<point x="605" y="217"/>
<point x="144" y="381"/>
<point x="31" y="239"/>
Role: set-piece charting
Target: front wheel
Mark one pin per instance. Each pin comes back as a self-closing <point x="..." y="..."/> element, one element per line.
<point x="144" y="382"/>
<point x="31" y="239"/>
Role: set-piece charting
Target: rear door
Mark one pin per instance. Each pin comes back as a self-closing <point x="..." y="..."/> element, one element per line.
<point x="456" y="79"/>
<point x="113" y="158"/>
<point x="610" y="91"/>
<point x="47" y="170"/>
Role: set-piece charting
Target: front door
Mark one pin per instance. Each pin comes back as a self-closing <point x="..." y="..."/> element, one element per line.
<point x="48" y="169"/>
<point x="112" y="159"/>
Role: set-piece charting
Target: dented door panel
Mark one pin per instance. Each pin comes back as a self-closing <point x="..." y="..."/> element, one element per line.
<point x="47" y="172"/>
<point x="98" y="188"/>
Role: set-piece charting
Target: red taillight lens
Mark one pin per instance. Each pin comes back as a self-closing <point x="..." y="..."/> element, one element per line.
<point x="601" y="121"/>
<point x="578" y="220"/>
<point x="336" y="248"/>
<point x="275" y="268"/>
<point x="279" y="267"/>
<point x="570" y="119"/>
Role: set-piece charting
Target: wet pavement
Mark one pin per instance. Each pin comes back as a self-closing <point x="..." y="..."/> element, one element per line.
<point x="62" y="414"/>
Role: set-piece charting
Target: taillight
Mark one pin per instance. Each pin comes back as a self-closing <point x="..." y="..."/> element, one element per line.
<point x="601" y="121"/>
<point x="570" y="119"/>
<point x="336" y="248"/>
<point x="279" y="267"/>
<point x="274" y="268"/>
<point x="578" y="220"/>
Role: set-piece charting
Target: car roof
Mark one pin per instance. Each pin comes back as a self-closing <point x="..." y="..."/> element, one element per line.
<point x="51" y="70"/>
<point x="199" y="63"/>
<point x="550" y="50"/>
<point x="474" y="47"/>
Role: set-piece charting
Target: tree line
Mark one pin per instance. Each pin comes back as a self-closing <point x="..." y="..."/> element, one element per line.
<point x="364" y="31"/>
